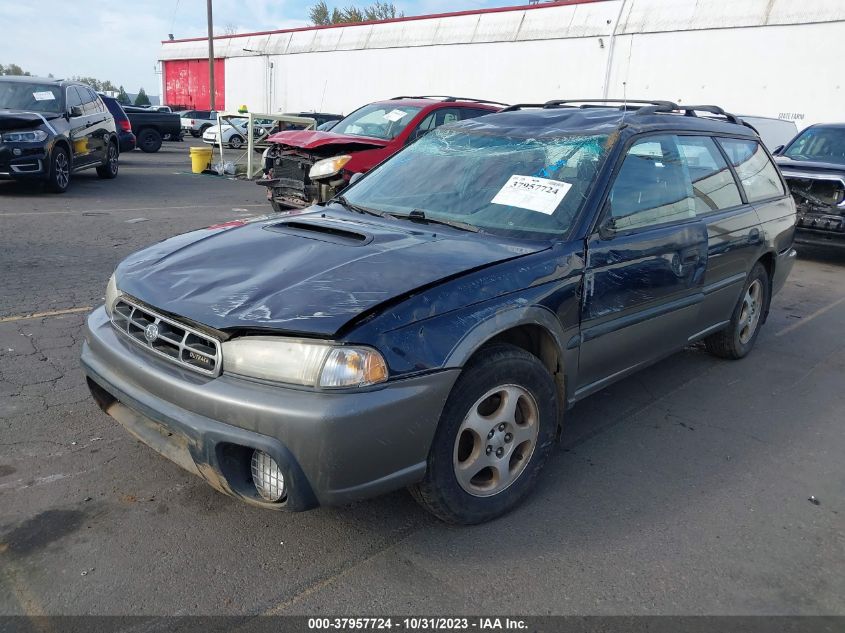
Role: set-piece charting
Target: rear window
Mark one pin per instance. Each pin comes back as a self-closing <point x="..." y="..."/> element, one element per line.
<point x="759" y="177"/>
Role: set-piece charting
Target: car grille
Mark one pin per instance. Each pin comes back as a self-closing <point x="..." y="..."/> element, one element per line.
<point x="292" y="172"/>
<point x="170" y="339"/>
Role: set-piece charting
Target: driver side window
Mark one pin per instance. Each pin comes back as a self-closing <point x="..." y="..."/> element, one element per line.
<point x="73" y="98"/>
<point x="652" y="186"/>
<point x="434" y="120"/>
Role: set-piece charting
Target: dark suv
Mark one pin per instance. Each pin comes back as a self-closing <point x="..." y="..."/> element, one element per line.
<point x="125" y="135"/>
<point x="813" y="164"/>
<point x="430" y="327"/>
<point x="50" y="129"/>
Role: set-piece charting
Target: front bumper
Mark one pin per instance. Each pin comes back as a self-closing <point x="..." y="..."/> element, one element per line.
<point x="32" y="161"/>
<point x="333" y="447"/>
<point x="819" y="229"/>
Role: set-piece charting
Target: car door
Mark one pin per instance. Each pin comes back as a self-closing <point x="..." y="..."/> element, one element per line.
<point x="99" y="130"/>
<point x="79" y="129"/>
<point x="644" y="268"/>
<point x="734" y="238"/>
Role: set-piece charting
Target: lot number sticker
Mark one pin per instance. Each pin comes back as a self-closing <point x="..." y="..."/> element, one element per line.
<point x="394" y="115"/>
<point x="536" y="194"/>
<point x="44" y="96"/>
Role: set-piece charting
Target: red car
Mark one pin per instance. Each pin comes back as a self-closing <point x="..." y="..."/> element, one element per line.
<point x="305" y="167"/>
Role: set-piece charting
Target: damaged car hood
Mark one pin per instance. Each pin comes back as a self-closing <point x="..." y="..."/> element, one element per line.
<point x="789" y="165"/>
<point x="18" y="119"/>
<point x="310" y="274"/>
<point x="311" y="139"/>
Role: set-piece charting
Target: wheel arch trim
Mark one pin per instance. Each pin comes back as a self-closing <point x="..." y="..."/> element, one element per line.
<point x="535" y="316"/>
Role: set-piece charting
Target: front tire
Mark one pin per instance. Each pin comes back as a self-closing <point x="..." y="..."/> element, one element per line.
<point x="109" y="168"/>
<point x="737" y="340"/>
<point x="236" y="142"/>
<point x="58" y="179"/>
<point x="149" y="140"/>
<point x="494" y="436"/>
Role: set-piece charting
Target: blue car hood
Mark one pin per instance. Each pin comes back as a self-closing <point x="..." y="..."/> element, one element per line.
<point x="309" y="274"/>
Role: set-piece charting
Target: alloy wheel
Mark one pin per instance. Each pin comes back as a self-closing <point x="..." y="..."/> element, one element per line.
<point x="496" y="440"/>
<point x="749" y="315"/>
<point x="112" y="158"/>
<point x="62" y="170"/>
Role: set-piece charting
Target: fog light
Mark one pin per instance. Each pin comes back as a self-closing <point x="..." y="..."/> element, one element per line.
<point x="267" y="477"/>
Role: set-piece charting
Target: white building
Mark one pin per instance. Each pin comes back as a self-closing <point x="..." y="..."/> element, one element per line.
<point x="777" y="58"/>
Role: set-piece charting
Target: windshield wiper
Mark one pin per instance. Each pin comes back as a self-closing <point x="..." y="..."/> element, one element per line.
<point x="417" y="215"/>
<point x="342" y="201"/>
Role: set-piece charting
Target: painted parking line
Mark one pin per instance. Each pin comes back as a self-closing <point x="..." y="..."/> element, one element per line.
<point x="810" y="317"/>
<point x="50" y="313"/>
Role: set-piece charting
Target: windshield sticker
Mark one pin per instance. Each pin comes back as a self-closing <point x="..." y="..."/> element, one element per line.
<point x="394" y="115"/>
<point x="532" y="193"/>
<point x="44" y="96"/>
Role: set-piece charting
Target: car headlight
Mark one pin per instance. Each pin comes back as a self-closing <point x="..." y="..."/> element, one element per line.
<point x="300" y="362"/>
<point x="112" y="295"/>
<point x="30" y="136"/>
<point x="328" y="166"/>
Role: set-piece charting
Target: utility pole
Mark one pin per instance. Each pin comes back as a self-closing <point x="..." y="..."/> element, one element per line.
<point x="212" y="105"/>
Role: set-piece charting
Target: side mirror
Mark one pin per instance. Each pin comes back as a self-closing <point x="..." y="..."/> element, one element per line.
<point x="76" y="111"/>
<point x="355" y="177"/>
<point x="777" y="150"/>
<point x="607" y="228"/>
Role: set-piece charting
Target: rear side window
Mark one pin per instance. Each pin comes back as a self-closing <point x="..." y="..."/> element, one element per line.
<point x="652" y="186"/>
<point x="713" y="185"/>
<point x="759" y="177"/>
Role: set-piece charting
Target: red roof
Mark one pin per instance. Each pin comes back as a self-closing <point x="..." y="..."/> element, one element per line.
<point x="411" y="18"/>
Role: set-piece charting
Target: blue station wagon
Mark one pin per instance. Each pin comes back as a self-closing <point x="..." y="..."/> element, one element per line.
<point x="429" y="326"/>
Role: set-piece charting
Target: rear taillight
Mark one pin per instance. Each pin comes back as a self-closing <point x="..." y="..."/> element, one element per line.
<point x="193" y="122"/>
<point x="125" y="125"/>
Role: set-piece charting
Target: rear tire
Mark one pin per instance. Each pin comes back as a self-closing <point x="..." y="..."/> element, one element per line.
<point x="109" y="168"/>
<point x="737" y="340"/>
<point x="236" y="142"/>
<point x="196" y="134"/>
<point x="494" y="436"/>
<point x="58" y="179"/>
<point x="149" y="140"/>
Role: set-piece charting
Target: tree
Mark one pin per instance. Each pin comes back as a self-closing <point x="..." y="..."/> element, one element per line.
<point x="122" y="97"/>
<point x="142" y="99"/>
<point x="14" y="69"/>
<point x="95" y="83"/>
<point x="321" y="15"/>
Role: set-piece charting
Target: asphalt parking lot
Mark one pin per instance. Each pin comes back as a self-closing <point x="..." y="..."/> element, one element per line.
<point x="682" y="490"/>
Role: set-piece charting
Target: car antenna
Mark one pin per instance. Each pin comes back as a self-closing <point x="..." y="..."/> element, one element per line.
<point x="624" y="102"/>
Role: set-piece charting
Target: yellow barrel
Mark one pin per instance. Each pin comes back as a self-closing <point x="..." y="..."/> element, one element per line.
<point x="200" y="159"/>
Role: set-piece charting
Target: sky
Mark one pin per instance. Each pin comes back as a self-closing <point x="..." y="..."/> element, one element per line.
<point x="120" y="41"/>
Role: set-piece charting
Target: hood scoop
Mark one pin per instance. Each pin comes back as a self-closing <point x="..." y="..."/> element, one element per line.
<point x="322" y="231"/>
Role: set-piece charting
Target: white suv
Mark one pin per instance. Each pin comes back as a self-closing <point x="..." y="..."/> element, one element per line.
<point x="198" y="121"/>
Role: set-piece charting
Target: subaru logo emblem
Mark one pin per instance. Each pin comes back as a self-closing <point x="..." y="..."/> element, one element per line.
<point x="151" y="332"/>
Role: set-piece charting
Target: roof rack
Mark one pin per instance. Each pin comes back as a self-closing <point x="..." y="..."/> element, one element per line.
<point x="654" y="106"/>
<point x="448" y="99"/>
<point x="638" y="106"/>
